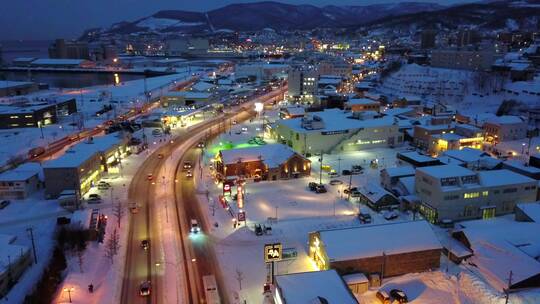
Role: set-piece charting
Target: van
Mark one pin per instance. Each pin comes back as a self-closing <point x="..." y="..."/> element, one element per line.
<point x="383" y="297"/>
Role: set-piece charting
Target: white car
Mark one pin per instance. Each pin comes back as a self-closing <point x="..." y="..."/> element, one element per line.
<point x="195" y="226"/>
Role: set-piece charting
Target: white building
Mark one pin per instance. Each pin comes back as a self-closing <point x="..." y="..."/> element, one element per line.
<point x="21" y="182"/>
<point x="457" y="193"/>
<point x="335" y="130"/>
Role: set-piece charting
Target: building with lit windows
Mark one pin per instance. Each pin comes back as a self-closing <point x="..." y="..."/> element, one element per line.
<point x="505" y="128"/>
<point x="389" y="249"/>
<point x="84" y="164"/>
<point x="302" y="83"/>
<point x="457" y="193"/>
<point x="35" y="114"/>
<point x="335" y="130"/>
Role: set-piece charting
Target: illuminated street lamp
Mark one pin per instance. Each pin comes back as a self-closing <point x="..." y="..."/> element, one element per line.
<point x="69" y="291"/>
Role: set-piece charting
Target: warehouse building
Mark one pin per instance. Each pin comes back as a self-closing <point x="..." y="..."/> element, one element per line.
<point x="335" y="130"/>
<point x="32" y="115"/>
<point x="389" y="249"/>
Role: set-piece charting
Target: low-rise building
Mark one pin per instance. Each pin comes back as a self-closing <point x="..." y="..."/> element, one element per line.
<point x="62" y="63"/>
<point x="376" y="197"/>
<point x="35" y="114"/>
<point x="292" y="112"/>
<point x="391" y="176"/>
<point x="416" y="159"/>
<point x="457" y="193"/>
<point x="505" y="128"/>
<point x="312" y="288"/>
<point x="334" y="130"/>
<point x="21" y="182"/>
<point x="267" y="162"/>
<point x="389" y="249"/>
<point x="362" y="104"/>
<point x="83" y="165"/>
<point x="16" y="88"/>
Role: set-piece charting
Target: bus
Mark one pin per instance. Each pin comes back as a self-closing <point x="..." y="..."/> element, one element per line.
<point x="211" y="291"/>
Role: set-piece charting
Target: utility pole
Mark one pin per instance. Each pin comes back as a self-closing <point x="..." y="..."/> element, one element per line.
<point x="350" y="185"/>
<point x="31" y="231"/>
<point x="507" y="290"/>
<point x="320" y="168"/>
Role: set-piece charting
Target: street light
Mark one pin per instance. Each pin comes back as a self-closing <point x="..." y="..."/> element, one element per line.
<point x="69" y="291"/>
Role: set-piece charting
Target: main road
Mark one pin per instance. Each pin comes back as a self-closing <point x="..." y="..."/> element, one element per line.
<point x="198" y="257"/>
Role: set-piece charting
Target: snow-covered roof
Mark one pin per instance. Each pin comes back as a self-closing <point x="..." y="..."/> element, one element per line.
<point x="53" y="61"/>
<point x="408" y="183"/>
<point x="445" y="171"/>
<point x="272" y="155"/>
<point x="306" y="287"/>
<point x="466" y="154"/>
<point x="21" y="173"/>
<point x="532" y="210"/>
<point x="5" y="84"/>
<point x="69" y="159"/>
<point x="521" y="166"/>
<point x="398" y="111"/>
<point x="505" y="119"/>
<point x="494" y="178"/>
<point x="337" y="120"/>
<point x="374" y="240"/>
<point x="501" y="245"/>
<point x="417" y="156"/>
<point x="361" y="101"/>
<point x="373" y="192"/>
<point x="202" y="86"/>
<point x="399" y="171"/>
<point x="295" y="111"/>
<point x="188" y="94"/>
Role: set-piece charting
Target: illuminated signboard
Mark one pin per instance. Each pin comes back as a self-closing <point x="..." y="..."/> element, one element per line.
<point x="272" y="252"/>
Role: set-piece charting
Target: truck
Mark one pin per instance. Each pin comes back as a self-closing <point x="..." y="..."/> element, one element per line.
<point x="211" y="291"/>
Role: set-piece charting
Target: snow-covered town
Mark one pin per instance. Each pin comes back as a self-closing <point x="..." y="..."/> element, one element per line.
<point x="270" y="153"/>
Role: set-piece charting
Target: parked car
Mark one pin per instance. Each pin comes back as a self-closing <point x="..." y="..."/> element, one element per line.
<point x="335" y="182"/>
<point x="320" y="189"/>
<point x="365" y="218"/>
<point x="4" y="204"/>
<point x="145" y="244"/>
<point x="346" y="172"/>
<point x="399" y="295"/>
<point x="383" y="297"/>
<point x="355" y="193"/>
<point x="145" y="289"/>
<point x="195" y="226"/>
<point x="332" y="174"/>
<point x="258" y="229"/>
<point x="391" y="215"/>
<point x="312" y="186"/>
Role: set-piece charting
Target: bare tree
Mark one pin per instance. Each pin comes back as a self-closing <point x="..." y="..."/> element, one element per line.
<point x="112" y="246"/>
<point x="239" y="278"/>
<point x="118" y="212"/>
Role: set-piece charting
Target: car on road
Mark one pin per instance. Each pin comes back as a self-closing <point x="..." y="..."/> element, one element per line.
<point x="391" y="215"/>
<point x="399" y="295"/>
<point x="145" y="244"/>
<point x="187" y="165"/>
<point x="134" y="209"/>
<point x="160" y="156"/>
<point x="4" y="204"/>
<point x="195" y="226"/>
<point x="200" y="145"/>
<point x="145" y="289"/>
<point x="189" y="174"/>
<point x="320" y="189"/>
<point x="150" y="177"/>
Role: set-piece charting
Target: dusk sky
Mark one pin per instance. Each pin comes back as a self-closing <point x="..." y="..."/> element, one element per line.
<point x="49" y="19"/>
